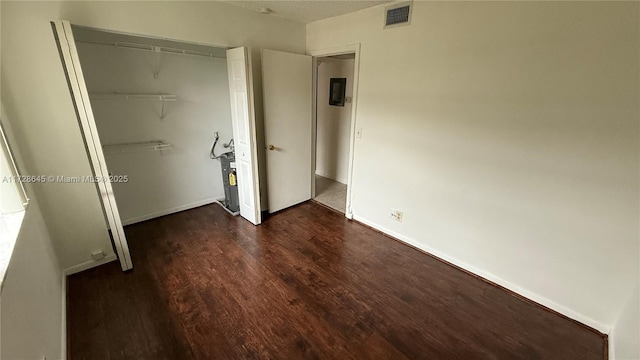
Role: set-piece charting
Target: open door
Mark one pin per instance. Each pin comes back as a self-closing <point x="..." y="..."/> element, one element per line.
<point x="288" y="87"/>
<point x="244" y="132"/>
<point x="80" y="97"/>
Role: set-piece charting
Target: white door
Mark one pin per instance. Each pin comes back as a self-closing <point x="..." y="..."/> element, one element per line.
<point x="80" y="96"/>
<point x="244" y="132"/>
<point x="287" y="83"/>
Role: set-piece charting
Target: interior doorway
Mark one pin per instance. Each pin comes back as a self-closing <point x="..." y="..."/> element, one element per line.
<point x="333" y="127"/>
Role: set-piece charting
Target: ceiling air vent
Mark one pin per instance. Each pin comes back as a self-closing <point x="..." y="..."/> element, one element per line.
<point x="397" y="15"/>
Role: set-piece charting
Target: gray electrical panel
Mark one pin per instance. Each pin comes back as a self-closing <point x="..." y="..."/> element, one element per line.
<point x="230" y="181"/>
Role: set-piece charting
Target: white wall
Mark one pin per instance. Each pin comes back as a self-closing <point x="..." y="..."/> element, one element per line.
<point x="34" y="90"/>
<point x="334" y="122"/>
<point x="31" y="303"/>
<point x="185" y="176"/>
<point x="32" y="298"/>
<point x="514" y="130"/>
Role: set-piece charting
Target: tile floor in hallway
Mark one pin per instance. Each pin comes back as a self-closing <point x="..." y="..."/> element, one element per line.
<point x="331" y="193"/>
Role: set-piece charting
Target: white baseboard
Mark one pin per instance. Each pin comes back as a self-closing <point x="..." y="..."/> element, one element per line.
<point x="88" y="265"/>
<point x="63" y="331"/>
<point x="176" y="209"/>
<point x="603" y="328"/>
<point x="331" y="177"/>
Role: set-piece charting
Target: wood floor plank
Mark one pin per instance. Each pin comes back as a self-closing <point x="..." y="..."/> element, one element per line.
<point x="306" y="284"/>
<point x="94" y="333"/>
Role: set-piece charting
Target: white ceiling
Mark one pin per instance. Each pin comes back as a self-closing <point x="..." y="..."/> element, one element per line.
<point x="306" y="11"/>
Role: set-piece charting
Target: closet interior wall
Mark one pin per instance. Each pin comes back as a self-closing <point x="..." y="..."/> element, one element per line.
<point x="184" y="176"/>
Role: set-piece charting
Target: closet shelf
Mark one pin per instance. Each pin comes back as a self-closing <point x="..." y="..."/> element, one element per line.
<point x="127" y="148"/>
<point x="219" y="53"/>
<point x="133" y="96"/>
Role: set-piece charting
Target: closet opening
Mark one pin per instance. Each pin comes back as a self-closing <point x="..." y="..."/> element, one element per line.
<point x="334" y="95"/>
<point x="159" y="107"/>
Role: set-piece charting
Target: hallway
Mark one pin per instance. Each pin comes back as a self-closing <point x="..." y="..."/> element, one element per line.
<point x="331" y="193"/>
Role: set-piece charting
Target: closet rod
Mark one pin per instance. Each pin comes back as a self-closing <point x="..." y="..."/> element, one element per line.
<point x="132" y="96"/>
<point x="126" y="148"/>
<point x="157" y="49"/>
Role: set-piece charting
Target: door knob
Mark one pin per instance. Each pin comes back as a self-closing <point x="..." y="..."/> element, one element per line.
<point x="271" y="147"/>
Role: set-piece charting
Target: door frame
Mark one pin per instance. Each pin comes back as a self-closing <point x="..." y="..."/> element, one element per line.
<point x="320" y="53"/>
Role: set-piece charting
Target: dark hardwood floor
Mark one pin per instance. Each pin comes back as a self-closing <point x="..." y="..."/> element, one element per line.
<point x="307" y="283"/>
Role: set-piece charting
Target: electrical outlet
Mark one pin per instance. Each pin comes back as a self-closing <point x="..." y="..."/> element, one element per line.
<point x="97" y="254"/>
<point x="396" y="215"/>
